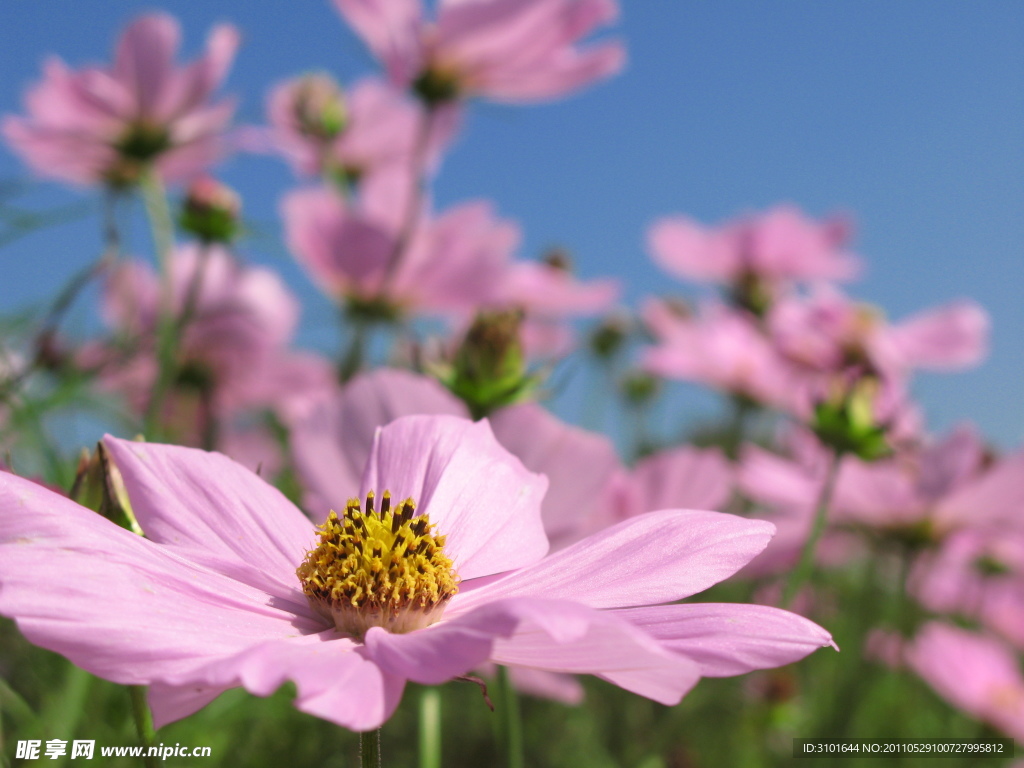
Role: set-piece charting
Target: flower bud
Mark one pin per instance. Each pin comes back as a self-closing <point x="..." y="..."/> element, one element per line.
<point x="211" y="211"/>
<point x="847" y="423"/>
<point x="319" y="108"/>
<point x="98" y="485"/>
<point x="489" y="368"/>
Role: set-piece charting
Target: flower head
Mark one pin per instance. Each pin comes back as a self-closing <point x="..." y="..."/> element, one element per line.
<point x="508" y="50"/>
<point x="106" y="125"/>
<point x="450" y="265"/>
<point x="226" y="589"/>
<point x="755" y="256"/>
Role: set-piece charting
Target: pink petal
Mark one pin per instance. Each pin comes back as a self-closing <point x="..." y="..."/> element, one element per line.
<point x="568" y="72"/>
<point x="391" y="30"/>
<point x="996" y="497"/>
<point x="951" y="462"/>
<point x="176" y="702"/>
<point x="120" y="606"/>
<point x="951" y="337"/>
<point x="477" y="494"/>
<point x="190" y="88"/>
<point x="730" y="639"/>
<point x="684" y="248"/>
<point x="650" y="559"/>
<point x="342" y="250"/>
<point x="145" y="59"/>
<point x="577" y="463"/>
<point x="331" y="443"/>
<point x="450" y="648"/>
<point x="334" y="677"/>
<point x="566" y="637"/>
<point x="216" y="512"/>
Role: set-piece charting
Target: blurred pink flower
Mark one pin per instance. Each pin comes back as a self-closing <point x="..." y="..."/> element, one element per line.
<point x="719" y="348"/>
<point x="939" y="488"/>
<point x="972" y="672"/>
<point x="104" y="125"/>
<point x="212" y="598"/>
<point x="507" y="50"/>
<point x="451" y="265"/>
<point x="978" y="574"/>
<point x="830" y="332"/>
<point x="920" y="496"/>
<point x="777" y="247"/>
<point x="232" y="352"/>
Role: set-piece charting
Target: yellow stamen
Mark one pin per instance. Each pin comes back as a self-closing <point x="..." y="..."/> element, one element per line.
<point x="378" y="569"/>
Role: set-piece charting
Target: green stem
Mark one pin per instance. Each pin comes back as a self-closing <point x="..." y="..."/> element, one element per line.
<point x="354" y="356"/>
<point x="803" y="569"/>
<point x="143" y="723"/>
<point x="159" y="214"/>
<point x="369" y="749"/>
<point x="430" y="728"/>
<point x="513" y="720"/>
<point x="742" y="409"/>
<point x="195" y="289"/>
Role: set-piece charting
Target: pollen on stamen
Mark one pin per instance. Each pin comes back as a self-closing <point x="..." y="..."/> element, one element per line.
<point x="378" y="569"/>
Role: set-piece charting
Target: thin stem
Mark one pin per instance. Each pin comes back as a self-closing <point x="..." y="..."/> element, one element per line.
<point x="194" y="291"/>
<point x="159" y="215"/>
<point x="513" y="720"/>
<point x="354" y="356"/>
<point x="430" y="728"/>
<point x="369" y="749"/>
<point x="803" y="569"/>
<point x="111" y="231"/>
<point x="143" y="723"/>
<point x="742" y="410"/>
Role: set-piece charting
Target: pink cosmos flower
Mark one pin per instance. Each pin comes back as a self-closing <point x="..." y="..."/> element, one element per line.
<point x="975" y="673"/>
<point x="946" y="486"/>
<point x="977" y="573"/>
<point x="451" y="265"/>
<point x="321" y="129"/>
<point x="830" y="332"/>
<point x="507" y="50"/>
<point x="719" y="348"/>
<point x="231" y="587"/>
<point x="775" y="248"/>
<point x="104" y="125"/>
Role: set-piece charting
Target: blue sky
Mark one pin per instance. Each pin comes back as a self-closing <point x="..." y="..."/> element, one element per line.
<point x="908" y="115"/>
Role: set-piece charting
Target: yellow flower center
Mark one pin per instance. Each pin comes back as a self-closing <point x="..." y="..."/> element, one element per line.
<point x="378" y="569"/>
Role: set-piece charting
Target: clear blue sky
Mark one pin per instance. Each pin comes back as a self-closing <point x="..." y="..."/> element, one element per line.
<point x="910" y="115"/>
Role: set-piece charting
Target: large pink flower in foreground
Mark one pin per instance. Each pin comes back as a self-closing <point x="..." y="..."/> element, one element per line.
<point x="233" y="587"/>
<point x="106" y="124"/>
<point x="508" y="50"/>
